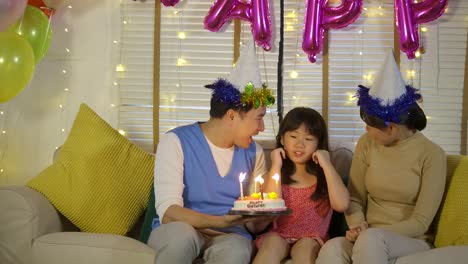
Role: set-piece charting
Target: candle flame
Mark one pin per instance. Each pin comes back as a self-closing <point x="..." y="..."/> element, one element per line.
<point x="242" y="176"/>
<point x="276" y="177"/>
<point x="259" y="179"/>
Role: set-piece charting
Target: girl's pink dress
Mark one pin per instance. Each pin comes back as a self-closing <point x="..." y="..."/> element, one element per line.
<point x="308" y="218"/>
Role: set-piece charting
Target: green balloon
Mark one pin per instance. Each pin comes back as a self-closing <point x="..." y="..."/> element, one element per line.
<point x="16" y="65"/>
<point x="34" y="26"/>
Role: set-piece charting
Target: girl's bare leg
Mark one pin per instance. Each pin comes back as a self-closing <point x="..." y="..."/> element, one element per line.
<point x="274" y="249"/>
<point x="305" y="250"/>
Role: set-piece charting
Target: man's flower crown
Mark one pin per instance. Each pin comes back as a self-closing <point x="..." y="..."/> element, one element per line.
<point x="224" y="91"/>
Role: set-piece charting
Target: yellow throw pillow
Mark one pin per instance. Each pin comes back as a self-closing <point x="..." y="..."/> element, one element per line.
<point x="99" y="180"/>
<point x="452" y="228"/>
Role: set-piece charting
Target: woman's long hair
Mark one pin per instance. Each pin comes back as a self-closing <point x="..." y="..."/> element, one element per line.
<point x="317" y="127"/>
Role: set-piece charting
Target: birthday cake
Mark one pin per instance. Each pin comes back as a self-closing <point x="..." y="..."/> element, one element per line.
<point x="270" y="202"/>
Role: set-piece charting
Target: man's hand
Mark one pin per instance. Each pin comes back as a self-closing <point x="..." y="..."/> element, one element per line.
<point x="234" y="220"/>
<point x="353" y="233"/>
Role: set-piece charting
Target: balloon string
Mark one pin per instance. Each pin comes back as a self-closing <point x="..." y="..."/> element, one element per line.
<point x="264" y="67"/>
<point x="47" y="35"/>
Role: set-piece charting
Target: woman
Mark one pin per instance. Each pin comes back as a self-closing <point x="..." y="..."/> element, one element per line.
<point x="397" y="177"/>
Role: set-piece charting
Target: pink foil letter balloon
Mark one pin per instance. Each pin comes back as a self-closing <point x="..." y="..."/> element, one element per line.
<point x="409" y="14"/>
<point x="257" y="12"/>
<point x="169" y="2"/>
<point x="320" y="17"/>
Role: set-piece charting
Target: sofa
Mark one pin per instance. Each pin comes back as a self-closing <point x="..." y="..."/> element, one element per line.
<point x="32" y="231"/>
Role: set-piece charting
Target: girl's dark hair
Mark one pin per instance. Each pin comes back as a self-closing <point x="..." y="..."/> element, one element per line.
<point x="219" y="109"/>
<point x="413" y="119"/>
<point x="317" y="127"/>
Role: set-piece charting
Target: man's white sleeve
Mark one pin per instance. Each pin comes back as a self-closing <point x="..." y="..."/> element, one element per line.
<point x="168" y="173"/>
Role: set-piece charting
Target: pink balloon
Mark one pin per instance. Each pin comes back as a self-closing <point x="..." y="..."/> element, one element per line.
<point x="429" y="10"/>
<point x="10" y="12"/>
<point x="313" y="30"/>
<point x="257" y="12"/>
<point x="409" y="14"/>
<point x="261" y="23"/>
<point x="319" y="17"/>
<point x="169" y="2"/>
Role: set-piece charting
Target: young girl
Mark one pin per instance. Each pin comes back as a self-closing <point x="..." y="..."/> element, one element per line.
<point x="311" y="187"/>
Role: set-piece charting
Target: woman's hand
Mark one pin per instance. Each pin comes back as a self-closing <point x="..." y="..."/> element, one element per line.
<point x="353" y="233"/>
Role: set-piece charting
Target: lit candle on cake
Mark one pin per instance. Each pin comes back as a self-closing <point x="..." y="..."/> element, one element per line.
<point x="276" y="178"/>
<point x="257" y="179"/>
<point x="241" y="179"/>
<point x="260" y="180"/>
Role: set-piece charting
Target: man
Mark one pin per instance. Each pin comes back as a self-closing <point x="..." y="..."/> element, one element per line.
<point x="197" y="171"/>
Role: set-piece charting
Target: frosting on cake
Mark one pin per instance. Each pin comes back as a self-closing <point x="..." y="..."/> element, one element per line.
<point x="255" y="203"/>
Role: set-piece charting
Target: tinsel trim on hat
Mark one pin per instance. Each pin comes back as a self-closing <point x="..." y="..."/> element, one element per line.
<point x="224" y="91"/>
<point x="388" y="113"/>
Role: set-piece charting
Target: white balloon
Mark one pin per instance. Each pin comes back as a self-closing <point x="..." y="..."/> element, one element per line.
<point x="10" y="12"/>
<point x="55" y="4"/>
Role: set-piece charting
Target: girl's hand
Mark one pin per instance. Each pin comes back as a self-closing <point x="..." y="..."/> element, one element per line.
<point x="277" y="157"/>
<point x="321" y="157"/>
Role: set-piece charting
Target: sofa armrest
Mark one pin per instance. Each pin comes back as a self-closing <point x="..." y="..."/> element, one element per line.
<point x="25" y="215"/>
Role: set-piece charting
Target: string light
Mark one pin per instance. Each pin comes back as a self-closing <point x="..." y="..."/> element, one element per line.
<point x="294" y="74"/>
<point x="3" y="135"/>
<point x="181" y="35"/>
<point x="66" y="91"/>
<point x="120" y="68"/>
<point x="417" y="54"/>
<point x="181" y="61"/>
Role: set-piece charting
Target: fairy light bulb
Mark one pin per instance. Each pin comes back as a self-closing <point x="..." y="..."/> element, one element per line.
<point x="294" y="74"/>
<point x="181" y="61"/>
<point x="417" y="54"/>
<point x="119" y="68"/>
<point x="121" y="132"/>
<point x="181" y="35"/>
<point x="424" y="29"/>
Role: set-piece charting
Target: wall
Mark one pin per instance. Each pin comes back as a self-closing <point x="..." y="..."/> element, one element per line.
<point x="35" y="120"/>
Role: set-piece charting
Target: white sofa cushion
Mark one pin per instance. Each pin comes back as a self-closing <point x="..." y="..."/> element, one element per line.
<point x="448" y="255"/>
<point x="81" y="247"/>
